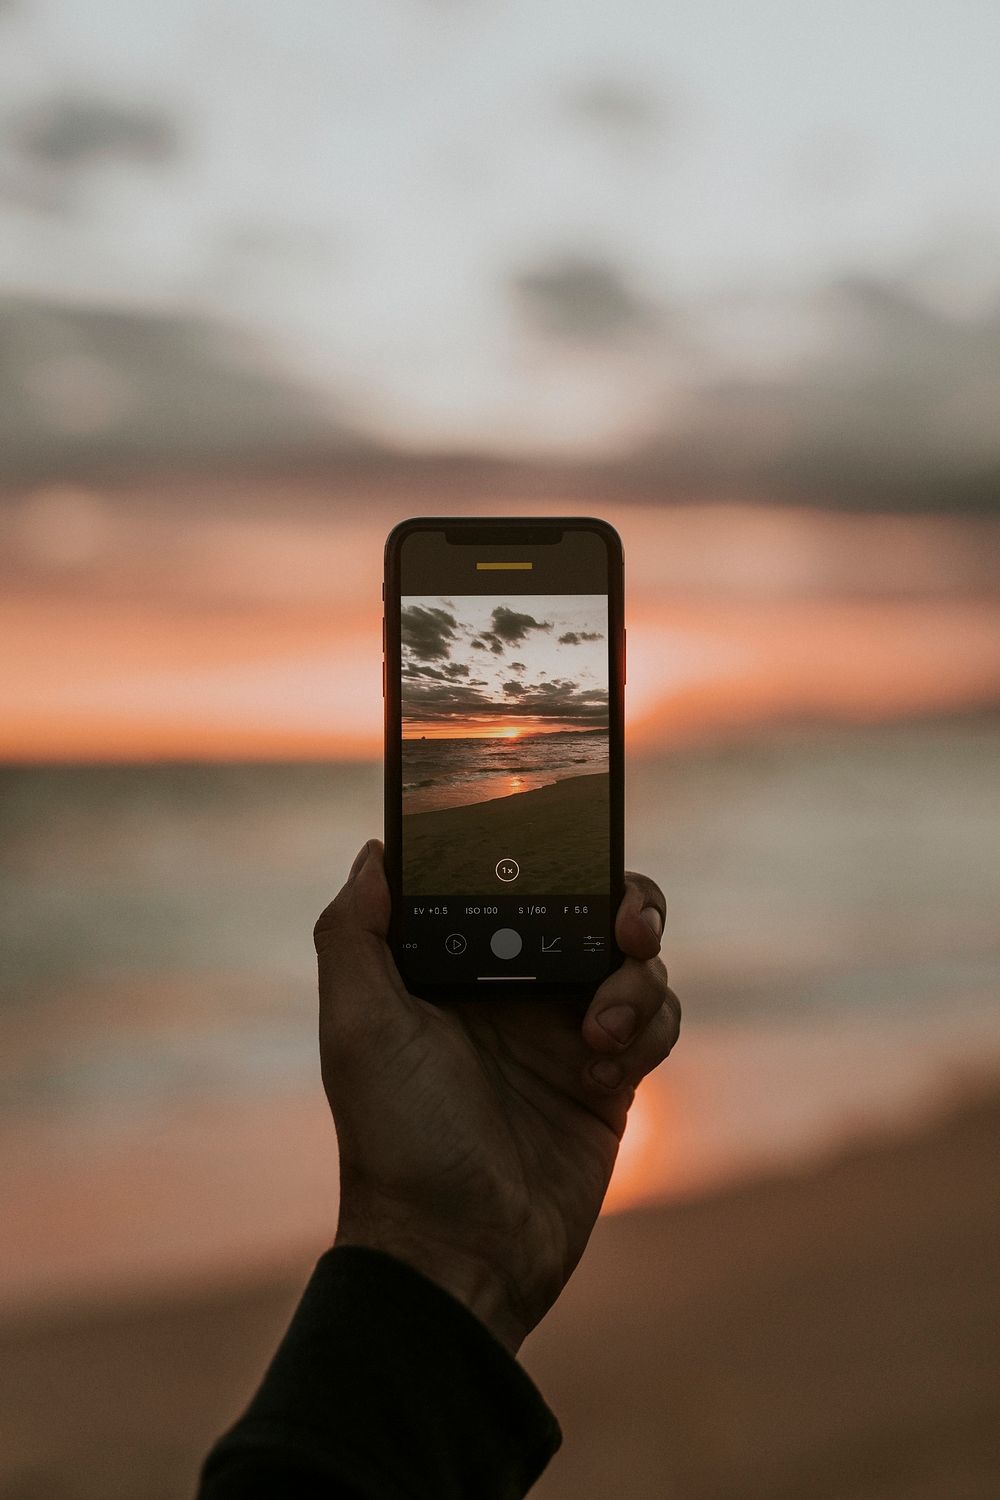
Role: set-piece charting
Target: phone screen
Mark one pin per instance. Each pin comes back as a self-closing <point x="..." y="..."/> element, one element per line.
<point x="505" y="661"/>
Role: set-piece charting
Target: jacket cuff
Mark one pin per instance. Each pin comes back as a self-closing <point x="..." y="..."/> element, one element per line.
<point x="388" y="1384"/>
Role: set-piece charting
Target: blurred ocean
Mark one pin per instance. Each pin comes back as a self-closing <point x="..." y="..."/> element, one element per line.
<point x="831" y="931"/>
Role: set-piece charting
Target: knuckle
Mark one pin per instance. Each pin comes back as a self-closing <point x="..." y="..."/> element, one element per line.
<point x="661" y="1039"/>
<point x="652" y="986"/>
<point x="327" y="924"/>
<point x="655" y="1042"/>
<point x="647" y="888"/>
<point x="653" y="1001"/>
<point x="658" y="970"/>
<point x="643" y="986"/>
<point x="672" y="1007"/>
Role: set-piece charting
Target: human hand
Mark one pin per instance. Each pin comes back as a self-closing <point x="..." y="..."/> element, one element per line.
<point x="477" y="1141"/>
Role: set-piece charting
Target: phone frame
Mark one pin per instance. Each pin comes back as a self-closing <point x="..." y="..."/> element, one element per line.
<point x="499" y="530"/>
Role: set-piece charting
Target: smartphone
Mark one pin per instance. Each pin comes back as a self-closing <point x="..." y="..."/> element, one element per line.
<point x="504" y="675"/>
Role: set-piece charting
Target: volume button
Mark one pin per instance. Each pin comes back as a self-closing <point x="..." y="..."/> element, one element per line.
<point x="624" y="656"/>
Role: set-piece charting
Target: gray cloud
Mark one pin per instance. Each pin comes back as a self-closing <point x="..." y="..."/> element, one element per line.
<point x="71" y="132"/>
<point x="895" y="408"/>
<point x="615" y="105"/>
<point x="559" y="699"/>
<point x="440" y="700"/>
<point x="579" y="299"/>
<point x="427" y="632"/>
<point x="420" y="671"/>
<point x="84" y="391"/>
<point x="563" y="699"/>
<point x="509" y="627"/>
<point x="574" y="637"/>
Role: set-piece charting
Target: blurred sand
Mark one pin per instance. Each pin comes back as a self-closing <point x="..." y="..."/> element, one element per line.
<point x="829" y="1334"/>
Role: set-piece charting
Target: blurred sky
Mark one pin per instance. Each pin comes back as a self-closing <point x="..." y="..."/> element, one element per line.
<point x="514" y="226"/>
<point x="717" y="266"/>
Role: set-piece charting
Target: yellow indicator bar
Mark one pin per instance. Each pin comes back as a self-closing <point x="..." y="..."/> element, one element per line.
<point x="505" y="567"/>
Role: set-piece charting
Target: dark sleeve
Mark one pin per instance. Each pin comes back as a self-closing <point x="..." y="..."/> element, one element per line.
<point x="384" y="1386"/>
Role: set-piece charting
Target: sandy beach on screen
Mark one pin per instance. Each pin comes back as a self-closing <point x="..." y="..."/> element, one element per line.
<point x="557" y="834"/>
<point x="826" y="1333"/>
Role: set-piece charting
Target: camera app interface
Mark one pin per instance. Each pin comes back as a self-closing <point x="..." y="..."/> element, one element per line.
<point x="505" y="762"/>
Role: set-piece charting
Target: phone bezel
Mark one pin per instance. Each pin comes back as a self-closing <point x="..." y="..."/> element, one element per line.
<point x="391" y="667"/>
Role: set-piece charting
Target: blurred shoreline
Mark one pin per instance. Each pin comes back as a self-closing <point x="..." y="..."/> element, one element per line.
<point x="831" y="931"/>
<point x="790" y="1334"/>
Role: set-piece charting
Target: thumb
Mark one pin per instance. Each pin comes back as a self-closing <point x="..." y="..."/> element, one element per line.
<point x="359" y="984"/>
<point x="361" y="904"/>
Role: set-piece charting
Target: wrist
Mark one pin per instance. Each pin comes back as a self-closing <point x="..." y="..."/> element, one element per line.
<point x="465" y="1276"/>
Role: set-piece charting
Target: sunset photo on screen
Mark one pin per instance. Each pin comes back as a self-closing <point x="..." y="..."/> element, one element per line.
<point x="505" y="742"/>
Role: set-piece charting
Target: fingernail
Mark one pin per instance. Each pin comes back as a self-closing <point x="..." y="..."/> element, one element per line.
<point x="653" y="920"/>
<point x="358" y="864"/>
<point x="607" y="1074"/>
<point x="619" y="1021"/>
